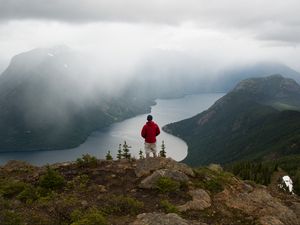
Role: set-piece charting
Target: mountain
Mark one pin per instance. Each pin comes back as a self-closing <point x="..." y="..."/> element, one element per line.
<point x="152" y="191"/>
<point x="228" y="78"/>
<point x="258" y="119"/>
<point x="48" y="100"/>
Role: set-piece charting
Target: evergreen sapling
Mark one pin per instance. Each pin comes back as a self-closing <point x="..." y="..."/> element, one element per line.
<point x="162" y="152"/>
<point x="126" y="154"/>
<point x="108" y="156"/>
<point x="119" y="155"/>
<point x="141" y="154"/>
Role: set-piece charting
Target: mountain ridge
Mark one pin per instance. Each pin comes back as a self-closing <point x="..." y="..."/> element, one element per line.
<point x="244" y="124"/>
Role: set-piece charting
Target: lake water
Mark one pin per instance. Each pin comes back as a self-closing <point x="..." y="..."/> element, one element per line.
<point x="164" y="112"/>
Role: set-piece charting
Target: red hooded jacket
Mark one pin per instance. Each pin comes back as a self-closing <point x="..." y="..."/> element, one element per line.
<point x="150" y="131"/>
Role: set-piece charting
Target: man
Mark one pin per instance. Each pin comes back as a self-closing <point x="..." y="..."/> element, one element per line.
<point x="149" y="133"/>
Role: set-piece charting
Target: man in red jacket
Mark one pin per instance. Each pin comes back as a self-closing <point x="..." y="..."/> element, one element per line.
<point x="149" y="132"/>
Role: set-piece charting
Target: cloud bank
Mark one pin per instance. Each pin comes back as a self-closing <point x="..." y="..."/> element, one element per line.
<point x="275" y="20"/>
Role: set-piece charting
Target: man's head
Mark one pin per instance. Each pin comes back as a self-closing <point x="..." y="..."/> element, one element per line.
<point x="149" y="118"/>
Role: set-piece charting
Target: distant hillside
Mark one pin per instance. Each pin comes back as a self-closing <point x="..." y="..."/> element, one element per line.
<point x="257" y="119"/>
<point x="47" y="101"/>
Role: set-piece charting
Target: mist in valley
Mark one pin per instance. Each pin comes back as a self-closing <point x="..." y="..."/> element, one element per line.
<point x="72" y="68"/>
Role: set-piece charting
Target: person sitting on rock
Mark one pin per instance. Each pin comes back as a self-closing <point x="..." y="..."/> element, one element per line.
<point x="149" y="132"/>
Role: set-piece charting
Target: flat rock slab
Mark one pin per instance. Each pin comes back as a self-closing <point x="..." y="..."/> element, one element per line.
<point x="146" y="166"/>
<point x="162" y="219"/>
<point x="150" y="181"/>
<point x="201" y="200"/>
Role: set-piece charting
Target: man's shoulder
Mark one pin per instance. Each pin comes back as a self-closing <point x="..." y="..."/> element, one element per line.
<point x="156" y="124"/>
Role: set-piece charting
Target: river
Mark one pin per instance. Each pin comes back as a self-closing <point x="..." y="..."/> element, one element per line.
<point x="98" y="143"/>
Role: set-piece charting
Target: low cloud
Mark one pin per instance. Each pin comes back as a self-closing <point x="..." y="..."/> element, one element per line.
<point x="279" y="19"/>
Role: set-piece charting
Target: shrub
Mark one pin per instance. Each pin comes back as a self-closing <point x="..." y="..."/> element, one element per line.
<point x="81" y="181"/>
<point x="212" y="180"/>
<point x="167" y="185"/>
<point x="121" y="205"/>
<point x="9" y="217"/>
<point x="38" y="219"/>
<point x="10" y="188"/>
<point x="28" y="194"/>
<point x="4" y="204"/>
<point x="213" y="185"/>
<point x="91" y="217"/>
<point x="168" y="207"/>
<point x="51" y="180"/>
<point x="87" y="161"/>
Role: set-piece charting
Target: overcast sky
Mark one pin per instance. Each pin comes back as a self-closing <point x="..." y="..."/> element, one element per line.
<point x="124" y="33"/>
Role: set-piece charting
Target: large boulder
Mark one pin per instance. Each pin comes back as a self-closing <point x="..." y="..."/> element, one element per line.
<point x="151" y="181"/>
<point x="201" y="200"/>
<point x="162" y="219"/>
<point x="146" y="166"/>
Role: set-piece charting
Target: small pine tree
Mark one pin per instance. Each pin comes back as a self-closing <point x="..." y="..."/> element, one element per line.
<point x="141" y="154"/>
<point x="119" y="155"/>
<point x="108" y="156"/>
<point x="126" y="154"/>
<point x="162" y="152"/>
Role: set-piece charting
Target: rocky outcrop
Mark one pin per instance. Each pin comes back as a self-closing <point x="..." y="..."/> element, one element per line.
<point x="162" y="219"/>
<point x="212" y="196"/>
<point x="147" y="166"/>
<point x="201" y="200"/>
<point x="15" y="165"/>
<point x="150" y="181"/>
<point x="259" y="203"/>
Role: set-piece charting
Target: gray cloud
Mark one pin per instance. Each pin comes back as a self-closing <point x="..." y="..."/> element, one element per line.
<point x="256" y="17"/>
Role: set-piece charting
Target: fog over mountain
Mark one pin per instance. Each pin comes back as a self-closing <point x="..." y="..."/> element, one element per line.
<point x="71" y="60"/>
<point x="50" y="99"/>
<point x="122" y="36"/>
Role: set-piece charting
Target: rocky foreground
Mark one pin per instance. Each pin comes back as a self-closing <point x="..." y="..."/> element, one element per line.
<point x="155" y="191"/>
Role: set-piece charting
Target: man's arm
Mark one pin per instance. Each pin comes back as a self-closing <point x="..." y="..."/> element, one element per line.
<point x="143" y="132"/>
<point x="157" y="130"/>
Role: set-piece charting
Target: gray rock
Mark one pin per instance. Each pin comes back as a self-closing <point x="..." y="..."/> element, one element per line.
<point x="201" y="200"/>
<point x="162" y="219"/>
<point x="260" y="204"/>
<point x="150" y="181"/>
<point x="146" y="166"/>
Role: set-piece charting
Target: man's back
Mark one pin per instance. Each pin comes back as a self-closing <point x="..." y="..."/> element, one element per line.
<point x="150" y="131"/>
